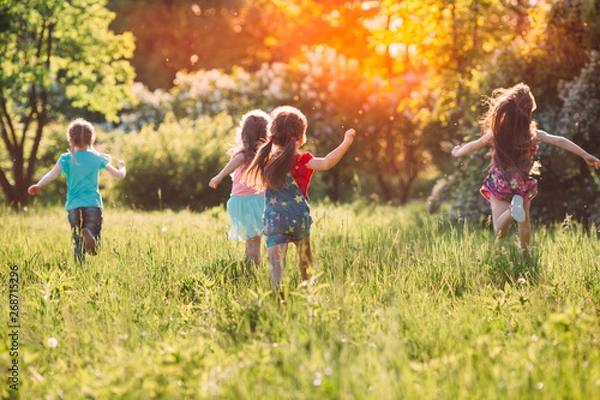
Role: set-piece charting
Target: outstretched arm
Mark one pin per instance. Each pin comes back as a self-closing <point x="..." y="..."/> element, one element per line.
<point x="231" y="166"/>
<point x="46" y="179"/>
<point x="331" y="159"/>
<point x="566" y="144"/>
<point x="117" y="173"/>
<point x="471" y="147"/>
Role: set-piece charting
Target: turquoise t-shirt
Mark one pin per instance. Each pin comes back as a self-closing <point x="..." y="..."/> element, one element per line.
<point x="82" y="178"/>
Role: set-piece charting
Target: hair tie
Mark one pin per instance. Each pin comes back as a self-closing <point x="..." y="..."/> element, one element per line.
<point x="270" y="138"/>
<point x="295" y="140"/>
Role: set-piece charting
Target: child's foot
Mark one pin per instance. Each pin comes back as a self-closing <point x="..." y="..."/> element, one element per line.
<point x="516" y="208"/>
<point x="90" y="242"/>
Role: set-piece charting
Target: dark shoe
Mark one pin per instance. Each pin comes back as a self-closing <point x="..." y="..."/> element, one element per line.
<point x="90" y="242"/>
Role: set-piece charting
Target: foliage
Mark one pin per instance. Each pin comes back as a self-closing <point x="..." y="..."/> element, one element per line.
<point x="224" y="34"/>
<point x="569" y="185"/>
<point x="405" y="305"/>
<point x="544" y="56"/>
<point x="186" y="36"/>
<point x="333" y="92"/>
<point x="170" y="167"/>
<point x="57" y="55"/>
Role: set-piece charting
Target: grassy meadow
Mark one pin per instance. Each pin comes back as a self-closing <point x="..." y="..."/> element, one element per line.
<point x="406" y="305"/>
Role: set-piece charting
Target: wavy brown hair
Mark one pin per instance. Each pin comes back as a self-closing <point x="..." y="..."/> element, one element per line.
<point x="510" y="120"/>
<point x="269" y="169"/>
<point x="252" y="134"/>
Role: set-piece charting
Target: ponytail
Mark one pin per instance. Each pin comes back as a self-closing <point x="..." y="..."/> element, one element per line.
<point x="254" y="175"/>
<point x="276" y="171"/>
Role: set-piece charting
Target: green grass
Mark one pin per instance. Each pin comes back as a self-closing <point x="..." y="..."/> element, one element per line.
<point x="406" y="305"/>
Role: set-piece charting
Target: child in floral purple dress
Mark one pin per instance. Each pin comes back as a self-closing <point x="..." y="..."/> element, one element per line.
<point x="510" y="129"/>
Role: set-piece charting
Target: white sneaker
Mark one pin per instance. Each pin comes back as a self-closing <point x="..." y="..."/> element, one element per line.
<point x="516" y="208"/>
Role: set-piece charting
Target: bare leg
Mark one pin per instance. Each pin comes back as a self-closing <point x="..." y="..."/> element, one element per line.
<point x="500" y="216"/>
<point x="304" y="257"/>
<point x="253" y="251"/>
<point x="525" y="229"/>
<point x="277" y="256"/>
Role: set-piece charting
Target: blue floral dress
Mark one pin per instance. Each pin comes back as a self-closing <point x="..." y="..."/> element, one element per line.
<point x="287" y="214"/>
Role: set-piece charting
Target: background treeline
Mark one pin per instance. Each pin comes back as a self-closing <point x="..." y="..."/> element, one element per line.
<point x="408" y="76"/>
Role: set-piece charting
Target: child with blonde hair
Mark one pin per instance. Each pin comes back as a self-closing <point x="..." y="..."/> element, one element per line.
<point x="246" y="204"/>
<point x="82" y="165"/>
<point x="509" y="128"/>
<point x="285" y="173"/>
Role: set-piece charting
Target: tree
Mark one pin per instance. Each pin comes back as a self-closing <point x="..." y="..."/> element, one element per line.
<point x="550" y="46"/>
<point x="181" y="35"/>
<point x="57" y="55"/>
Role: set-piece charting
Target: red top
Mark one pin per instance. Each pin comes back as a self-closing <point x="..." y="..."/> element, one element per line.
<point x="301" y="173"/>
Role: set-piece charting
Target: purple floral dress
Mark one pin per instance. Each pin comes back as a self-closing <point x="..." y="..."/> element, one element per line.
<point x="504" y="185"/>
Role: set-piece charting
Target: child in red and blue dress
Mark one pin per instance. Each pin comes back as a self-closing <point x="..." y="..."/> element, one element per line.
<point x="510" y="130"/>
<point x="246" y="204"/>
<point x="285" y="173"/>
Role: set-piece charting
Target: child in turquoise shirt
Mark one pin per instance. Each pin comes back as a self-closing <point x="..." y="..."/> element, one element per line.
<point x="82" y="165"/>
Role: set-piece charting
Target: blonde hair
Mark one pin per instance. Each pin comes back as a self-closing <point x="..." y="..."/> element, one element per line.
<point x="81" y="133"/>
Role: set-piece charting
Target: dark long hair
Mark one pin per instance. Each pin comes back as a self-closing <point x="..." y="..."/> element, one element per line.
<point x="268" y="170"/>
<point x="252" y="134"/>
<point x="510" y="120"/>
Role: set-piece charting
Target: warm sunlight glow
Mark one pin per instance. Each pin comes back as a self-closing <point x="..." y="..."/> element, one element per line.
<point x="367" y="5"/>
<point x="396" y="49"/>
<point x="196" y="9"/>
<point x="381" y="48"/>
<point x="396" y="24"/>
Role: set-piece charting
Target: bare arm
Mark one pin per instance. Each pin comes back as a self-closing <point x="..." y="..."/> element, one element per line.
<point x="117" y="173"/>
<point x="471" y="147"/>
<point x="46" y="179"/>
<point x="231" y="166"/>
<point x="568" y="145"/>
<point x="331" y="159"/>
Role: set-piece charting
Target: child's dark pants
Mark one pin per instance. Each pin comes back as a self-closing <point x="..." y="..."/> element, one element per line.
<point x="84" y="217"/>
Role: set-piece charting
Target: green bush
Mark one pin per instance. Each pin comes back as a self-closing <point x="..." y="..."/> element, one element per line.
<point x="569" y="185"/>
<point x="170" y="167"/>
<point x="566" y="88"/>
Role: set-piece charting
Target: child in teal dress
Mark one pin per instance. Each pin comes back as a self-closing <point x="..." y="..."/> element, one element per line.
<point x="246" y="204"/>
<point x="82" y="165"/>
<point x="285" y="174"/>
<point x="510" y="129"/>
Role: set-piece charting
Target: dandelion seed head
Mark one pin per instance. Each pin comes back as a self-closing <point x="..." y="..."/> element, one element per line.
<point x="52" y="342"/>
<point x="534" y="338"/>
<point x="529" y="367"/>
